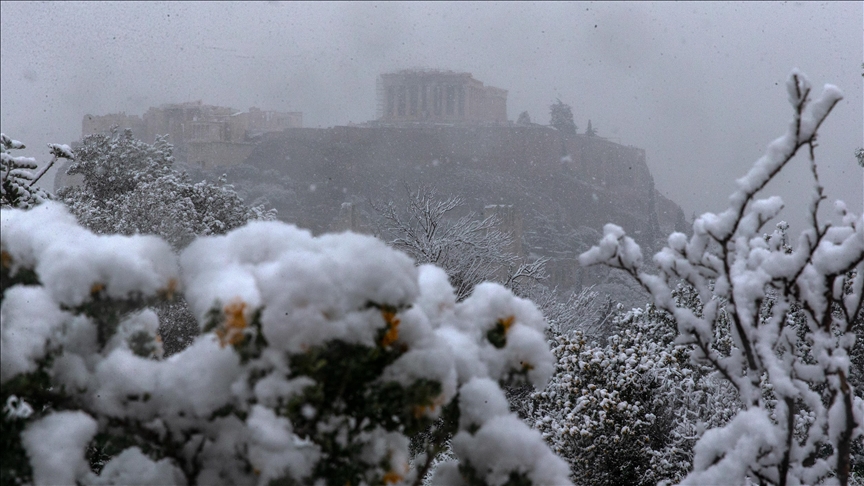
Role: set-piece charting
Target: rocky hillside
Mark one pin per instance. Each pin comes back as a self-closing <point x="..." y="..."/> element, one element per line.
<point x="563" y="188"/>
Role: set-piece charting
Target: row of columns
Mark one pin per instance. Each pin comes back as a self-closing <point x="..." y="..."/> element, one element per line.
<point x="425" y="101"/>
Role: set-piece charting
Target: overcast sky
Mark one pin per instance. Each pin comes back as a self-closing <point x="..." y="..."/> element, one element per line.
<point x="699" y="86"/>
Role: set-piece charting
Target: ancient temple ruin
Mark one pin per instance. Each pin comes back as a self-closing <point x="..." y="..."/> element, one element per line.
<point x="433" y="96"/>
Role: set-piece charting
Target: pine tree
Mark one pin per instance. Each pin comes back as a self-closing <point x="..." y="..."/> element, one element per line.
<point x="16" y="178"/>
<point x="524" y="119"/>
<point x="590" y="131"/>
<point x="562" y="118"/>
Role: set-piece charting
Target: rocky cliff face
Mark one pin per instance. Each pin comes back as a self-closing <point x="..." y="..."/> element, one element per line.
<point x="564" y="187"/>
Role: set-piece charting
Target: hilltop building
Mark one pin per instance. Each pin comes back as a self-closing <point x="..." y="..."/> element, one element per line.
<point x="204" y="135"/>
<point x="433" y="96"/>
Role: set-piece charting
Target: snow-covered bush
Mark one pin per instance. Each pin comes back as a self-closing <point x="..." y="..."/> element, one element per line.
<point x="319" y="358"/>
<point x="600" y="409"/>
<point x="16" y="178"/>
<point x="131" y="188"/>
<point x="629" y="411"/>
<point x="803" y="431"/>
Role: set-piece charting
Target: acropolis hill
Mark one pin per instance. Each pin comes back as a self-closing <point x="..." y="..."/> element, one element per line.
<point x="449" y="131"/>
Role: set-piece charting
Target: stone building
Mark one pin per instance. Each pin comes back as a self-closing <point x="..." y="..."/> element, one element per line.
<point x="433" y="96"/>
<point x="102" y="123"/>
<point x="204" y="135"/>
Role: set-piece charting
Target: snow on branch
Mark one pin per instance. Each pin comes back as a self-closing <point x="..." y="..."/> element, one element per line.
<point x="16" y="177"/>
<point x="318" y="359"/>
<point x="790" y="312"/>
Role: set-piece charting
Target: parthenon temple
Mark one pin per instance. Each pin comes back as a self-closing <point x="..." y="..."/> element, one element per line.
<point x="438" y="96"/>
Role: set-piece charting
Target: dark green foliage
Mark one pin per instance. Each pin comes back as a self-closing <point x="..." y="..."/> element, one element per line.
<point x="36" y="390"/>
<point x="107" y="312"/>
<point x="10" y="275"/>
<point x="118" y="434"/>
<point x="346" y="384"/>
<point x="15" y="467"/>
<point x="497" y="335"/>
<point x="177" y="325"/>
<point x="470" y="475"/>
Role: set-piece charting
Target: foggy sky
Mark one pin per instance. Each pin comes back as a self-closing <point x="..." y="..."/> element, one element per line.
<point x="699" y="86"/>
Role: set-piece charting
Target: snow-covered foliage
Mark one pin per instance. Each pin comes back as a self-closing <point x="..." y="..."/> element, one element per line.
<point x="629" y="411"/>
<point x="130" y="187"/>
<point x="319" y="358"/>
<point x="803" y="431"/>
<point x="561" y="117"/>
<point x="17" y="178"/>
<point x="587" y="310"/>
<point x="470" y="249"/>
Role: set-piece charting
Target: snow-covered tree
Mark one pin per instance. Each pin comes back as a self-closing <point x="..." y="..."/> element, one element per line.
<point x="17" y="188"/>
<point x="561" y="118"/>
<point x="130" y="187"/>
<point x="629" y="411"/>
<point x="319" y="357"/>
<point x="469" y="248"/>
<point x="590" y="131"/>
<point x="524" y="119"/>
<point x="804" y="430"/>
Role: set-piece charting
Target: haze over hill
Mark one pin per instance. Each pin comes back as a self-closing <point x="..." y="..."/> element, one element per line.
<point x="698" y="86"/>
<point x="553" y="189"/>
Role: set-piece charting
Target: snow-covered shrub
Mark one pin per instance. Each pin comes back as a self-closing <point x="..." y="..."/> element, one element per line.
<point x="319" y="358"/>
<point x="629" y="411"/>
<point x="599" y="411"/>
<point x="131" y="188"/>
<point x="803" y="431"/>
<point x="16" y="178"/>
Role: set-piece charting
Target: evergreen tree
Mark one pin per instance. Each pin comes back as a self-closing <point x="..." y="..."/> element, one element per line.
<point x="16" y="178"/>
<point x="524" y="119"/>
<point x="590" y="131"/>
<point x="130" y="187"/>
<point x="562" y="118"/>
